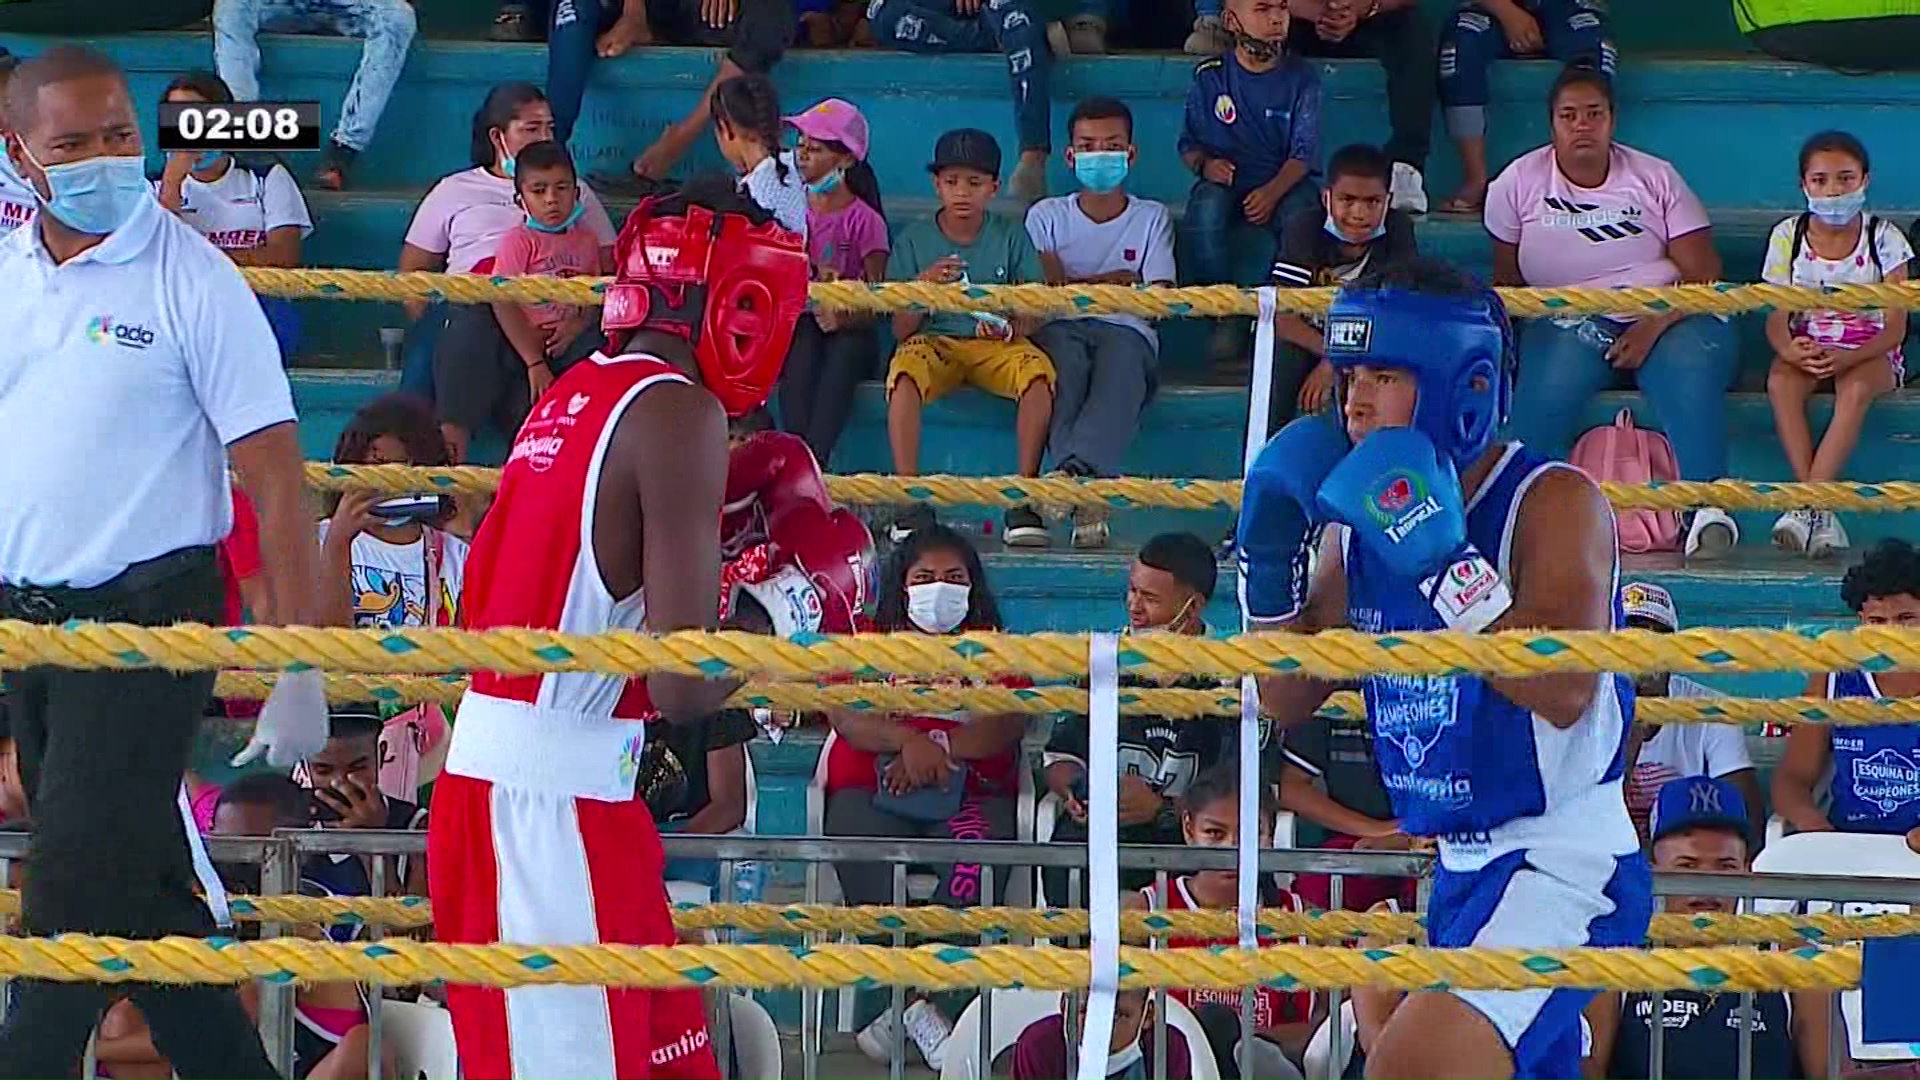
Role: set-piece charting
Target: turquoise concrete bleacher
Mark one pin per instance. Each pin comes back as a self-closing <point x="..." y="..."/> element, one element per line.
<point x="1731" y="122"/>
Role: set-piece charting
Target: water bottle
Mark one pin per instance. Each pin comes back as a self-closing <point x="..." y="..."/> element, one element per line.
<point x="392" y="338"/>
<point x="749" y="881"/>
<point x="1597" y="333"/>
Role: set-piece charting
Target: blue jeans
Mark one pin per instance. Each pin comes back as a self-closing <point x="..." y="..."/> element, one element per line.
<point x="1003" y="26"/>
<point x="387" y="27"/>
<point x="416" y="350"/>
<point x="1575" y="31"/>
<point x="755" y="41"/>
<point x="1685" y="380"/>
<point x="1213" y="212"/>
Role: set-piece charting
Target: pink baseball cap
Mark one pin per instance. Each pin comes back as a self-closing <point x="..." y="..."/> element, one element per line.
<point x="834" y="120"/>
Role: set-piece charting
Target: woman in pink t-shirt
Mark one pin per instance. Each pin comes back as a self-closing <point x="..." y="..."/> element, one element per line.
<point x="458" y="227"/>
<point x="833" y="351"/>
<point x="1586" y="211"/>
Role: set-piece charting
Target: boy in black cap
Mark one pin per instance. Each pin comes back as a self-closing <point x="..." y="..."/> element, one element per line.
<point x="1700" y="825"/>
<point x="941" y="352"/>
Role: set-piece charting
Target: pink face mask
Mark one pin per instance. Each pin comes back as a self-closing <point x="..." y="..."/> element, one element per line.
<point x="413" y="746"/>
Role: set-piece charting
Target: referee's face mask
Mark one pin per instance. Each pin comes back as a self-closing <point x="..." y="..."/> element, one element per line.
<point x="81" y="151"/>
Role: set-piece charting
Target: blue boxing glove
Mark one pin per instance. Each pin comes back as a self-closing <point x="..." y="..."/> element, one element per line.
<point x="1402" y="501"/>
<point x="1278" y="524"/>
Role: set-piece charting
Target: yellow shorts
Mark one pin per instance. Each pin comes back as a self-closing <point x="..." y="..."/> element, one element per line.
<point x="940" y="365"/>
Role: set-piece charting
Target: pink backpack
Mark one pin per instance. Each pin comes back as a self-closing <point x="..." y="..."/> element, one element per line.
<point x="1624" y="454"/>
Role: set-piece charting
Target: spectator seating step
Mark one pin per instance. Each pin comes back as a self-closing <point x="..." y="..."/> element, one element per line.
<point x="1731" y="125"/>
<point x="1189" y="431"/>
<point x="363" y="230"/>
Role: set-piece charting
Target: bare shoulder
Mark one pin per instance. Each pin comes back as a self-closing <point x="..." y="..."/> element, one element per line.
<point x="669" y="420"/>
<point x="1565" y="508"/>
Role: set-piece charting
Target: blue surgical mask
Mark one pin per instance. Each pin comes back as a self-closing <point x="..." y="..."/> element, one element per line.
<point x="1333" y="230"/>
<point x="208" y="160"/>
<point x="1837" y="209"/>
<point x="1100" y="171"/>
<point x="98" y="195"/>
<point x="826" y="183"/>
<point x="537" y="225"/>
<point x="507" y="165"/>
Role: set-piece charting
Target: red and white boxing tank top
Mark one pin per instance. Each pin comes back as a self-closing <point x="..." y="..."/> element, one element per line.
<point x="533" y="565"/>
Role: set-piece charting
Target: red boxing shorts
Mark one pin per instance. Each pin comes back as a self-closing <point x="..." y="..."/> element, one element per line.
<point x="506" y="864"/>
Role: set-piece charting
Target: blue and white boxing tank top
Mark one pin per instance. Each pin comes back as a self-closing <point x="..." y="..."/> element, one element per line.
<point x="1876" y="770"/>
<point x="1459" y="760"/>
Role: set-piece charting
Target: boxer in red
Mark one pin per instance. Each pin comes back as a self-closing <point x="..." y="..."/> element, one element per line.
<point x="606" y="517"/>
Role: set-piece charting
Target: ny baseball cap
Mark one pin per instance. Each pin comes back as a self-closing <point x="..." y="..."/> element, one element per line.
<point x="1645" y="600"/>
<point x="968" y="148"/>
<point x="834" y="120"/>
<point x="1694" y="802"/>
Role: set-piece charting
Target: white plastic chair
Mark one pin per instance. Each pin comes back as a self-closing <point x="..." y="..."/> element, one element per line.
<point x="1014" y="1010"/>
<point x="421" y="1036"/>
<point x="756" y="1042"/>
<point x="1844" y="855"/>
<point x="1199" y="1050"/>
<point x="1319" y="1052"/>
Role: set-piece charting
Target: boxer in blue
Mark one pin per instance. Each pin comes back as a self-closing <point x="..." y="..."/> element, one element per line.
<point x="1401" y="513"/>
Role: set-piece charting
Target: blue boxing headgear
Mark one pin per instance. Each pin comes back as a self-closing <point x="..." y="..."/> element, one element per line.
<point x="1459" y="347"/>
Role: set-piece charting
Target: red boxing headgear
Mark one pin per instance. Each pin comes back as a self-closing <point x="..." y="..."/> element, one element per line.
<point x="812" y="576"/>
<point x="732" y="289"/>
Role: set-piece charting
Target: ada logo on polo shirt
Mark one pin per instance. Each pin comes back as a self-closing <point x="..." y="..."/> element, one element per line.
<point x="101" y="329"/>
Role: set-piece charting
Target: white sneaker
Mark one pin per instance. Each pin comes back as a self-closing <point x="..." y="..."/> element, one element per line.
<point x="1828" y="538"/>
<point x="1712" y="534"/>
<point x="876" y="1039"/>
<point x="929" y="1031"/>
<point x="1792" y="529"/>
<point x="1409" y="189"/>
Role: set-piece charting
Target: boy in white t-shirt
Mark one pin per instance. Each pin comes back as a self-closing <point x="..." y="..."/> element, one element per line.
<point x="1657" y="755"/>
<point x="1105" y="364"/>
<point x="1836" y="242"/>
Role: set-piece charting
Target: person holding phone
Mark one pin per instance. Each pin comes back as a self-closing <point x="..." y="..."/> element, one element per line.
<point x="399" y="567"/>
<point x="343" y="782"/>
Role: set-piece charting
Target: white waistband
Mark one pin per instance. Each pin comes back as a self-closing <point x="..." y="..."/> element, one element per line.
<point x="1594" y="821"/>
<point x="549" y="750"/>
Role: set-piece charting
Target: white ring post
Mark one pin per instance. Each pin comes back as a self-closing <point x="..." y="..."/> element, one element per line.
<point x="1103" y="849"/>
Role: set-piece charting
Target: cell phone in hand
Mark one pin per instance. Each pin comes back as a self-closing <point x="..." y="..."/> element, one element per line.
<point x="321" y="811"/>
<point x="408" y="507"/>
<point x="1078" y="789"/>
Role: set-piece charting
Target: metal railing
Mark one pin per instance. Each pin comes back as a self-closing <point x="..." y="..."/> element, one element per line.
<point x="280" y="857"/>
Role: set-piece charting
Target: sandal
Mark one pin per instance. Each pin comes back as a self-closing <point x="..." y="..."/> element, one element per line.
<point x="1458" y="205"/>
<point x="332" y="173"/>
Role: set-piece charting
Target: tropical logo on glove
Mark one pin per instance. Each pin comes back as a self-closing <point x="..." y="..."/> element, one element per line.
<point x="1400" y="502"/>
<point x="1469" y="581"/>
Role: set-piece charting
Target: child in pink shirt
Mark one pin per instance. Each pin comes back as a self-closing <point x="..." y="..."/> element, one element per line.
<point x="554" y="241"/>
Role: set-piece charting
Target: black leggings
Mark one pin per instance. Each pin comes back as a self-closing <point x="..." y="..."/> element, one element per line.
<point x="816" y="387"/>
<point x="101" y="756"/>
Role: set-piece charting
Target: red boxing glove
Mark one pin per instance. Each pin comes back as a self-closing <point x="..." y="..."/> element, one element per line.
<point x="812" y="576"/>
<point x="767" y="475"/>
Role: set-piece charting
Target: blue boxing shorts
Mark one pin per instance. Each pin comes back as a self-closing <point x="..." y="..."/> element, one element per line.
<point x="1541" y="898"/>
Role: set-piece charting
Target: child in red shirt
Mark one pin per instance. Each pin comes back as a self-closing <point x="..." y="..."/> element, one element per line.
<point x="1282" y="1020"/>
<point x="554" y="241"/>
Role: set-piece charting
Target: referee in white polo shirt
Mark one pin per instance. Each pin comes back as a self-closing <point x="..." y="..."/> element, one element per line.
<point x="134" y="362"/>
